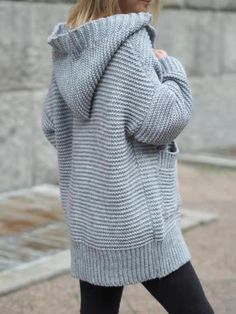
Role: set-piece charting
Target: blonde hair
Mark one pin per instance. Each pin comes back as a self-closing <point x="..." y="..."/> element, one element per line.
<point x="86" y="10"/>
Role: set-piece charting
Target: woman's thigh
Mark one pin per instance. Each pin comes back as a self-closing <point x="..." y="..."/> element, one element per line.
<point x="98" y="299"/>
<point x="180" y="292"/>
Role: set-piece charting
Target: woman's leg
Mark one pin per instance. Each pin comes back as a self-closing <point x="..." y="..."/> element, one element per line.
<point x="97" y="299"/>
<point x="180" y="292"/>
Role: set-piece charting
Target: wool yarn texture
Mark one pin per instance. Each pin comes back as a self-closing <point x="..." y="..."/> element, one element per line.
<point x="113" y="112"/>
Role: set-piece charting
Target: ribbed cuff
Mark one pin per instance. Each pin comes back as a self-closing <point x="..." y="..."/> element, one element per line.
<point x="171" y="64"/>
<point x="129" y="266"/>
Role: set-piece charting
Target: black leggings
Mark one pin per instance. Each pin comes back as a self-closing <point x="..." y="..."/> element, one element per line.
<point x="179" y="293"/>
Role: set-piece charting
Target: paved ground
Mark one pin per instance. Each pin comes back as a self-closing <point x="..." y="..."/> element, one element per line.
<point x="31" y="226"/>
<point x="212" y="246"/>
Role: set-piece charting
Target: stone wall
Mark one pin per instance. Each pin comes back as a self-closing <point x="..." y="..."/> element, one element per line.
<point x="200" y="33"/>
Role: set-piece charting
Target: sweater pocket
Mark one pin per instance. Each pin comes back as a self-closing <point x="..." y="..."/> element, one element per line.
<point x="167" y="171"/>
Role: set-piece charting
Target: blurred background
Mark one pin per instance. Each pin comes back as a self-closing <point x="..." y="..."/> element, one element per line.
<point x="202" y="35"/>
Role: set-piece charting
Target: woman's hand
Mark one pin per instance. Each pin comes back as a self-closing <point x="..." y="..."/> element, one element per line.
<point x="160" y="53"/>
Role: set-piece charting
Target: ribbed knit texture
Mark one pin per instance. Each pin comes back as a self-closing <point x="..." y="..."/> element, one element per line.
<point x="113" y="112"/>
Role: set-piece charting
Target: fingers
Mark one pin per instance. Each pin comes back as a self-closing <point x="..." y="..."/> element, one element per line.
<point x="160" y="53"/>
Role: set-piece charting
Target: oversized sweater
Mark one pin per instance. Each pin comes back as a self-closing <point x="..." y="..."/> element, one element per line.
<point x="113" y="112"/>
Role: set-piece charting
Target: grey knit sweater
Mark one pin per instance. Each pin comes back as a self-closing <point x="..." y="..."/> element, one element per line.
<point x="113" y="112"/>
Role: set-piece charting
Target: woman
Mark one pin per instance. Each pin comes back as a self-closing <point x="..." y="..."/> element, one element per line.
<point x="113" y="111"/>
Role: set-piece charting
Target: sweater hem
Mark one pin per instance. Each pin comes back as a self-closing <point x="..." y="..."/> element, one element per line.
<point x="155" y="259"/>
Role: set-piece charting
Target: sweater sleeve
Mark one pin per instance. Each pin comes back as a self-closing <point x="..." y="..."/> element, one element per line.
<point x="47" y="121"/>
<point x="169" y="107"/>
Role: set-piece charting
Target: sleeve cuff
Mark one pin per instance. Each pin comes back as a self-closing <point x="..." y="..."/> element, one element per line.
<point x="171" y="64"/>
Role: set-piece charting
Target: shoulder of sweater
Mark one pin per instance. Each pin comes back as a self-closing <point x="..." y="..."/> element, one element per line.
<point x="144" y="53"/>
<point x="142" y="46"/>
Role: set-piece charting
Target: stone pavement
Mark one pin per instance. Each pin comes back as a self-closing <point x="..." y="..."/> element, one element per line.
<point x="203" y="188"/>
<point x="31" y="225"/>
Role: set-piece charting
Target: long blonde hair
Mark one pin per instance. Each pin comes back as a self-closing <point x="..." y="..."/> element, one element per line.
<point x="87" y="10"/>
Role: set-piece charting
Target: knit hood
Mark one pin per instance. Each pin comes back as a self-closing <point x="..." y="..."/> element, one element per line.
<point x="87" y="49"/>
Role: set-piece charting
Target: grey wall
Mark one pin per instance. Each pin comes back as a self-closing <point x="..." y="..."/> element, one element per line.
<point x="200" y="33"/>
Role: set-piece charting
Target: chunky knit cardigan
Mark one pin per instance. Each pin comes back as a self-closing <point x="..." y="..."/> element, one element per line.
<point x="113" y="112"/>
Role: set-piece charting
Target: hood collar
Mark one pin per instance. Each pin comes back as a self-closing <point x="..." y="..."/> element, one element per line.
<point x="81" y="55"/>
<point x="77" y="39"/>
